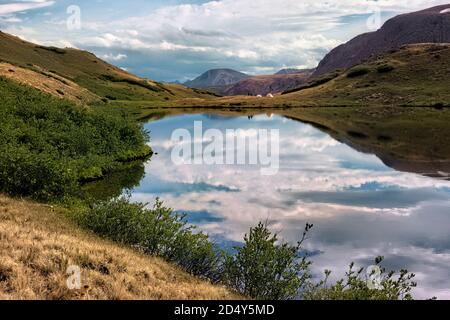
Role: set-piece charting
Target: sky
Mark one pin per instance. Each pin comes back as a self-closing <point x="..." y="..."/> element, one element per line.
<point x="176" y="40"/>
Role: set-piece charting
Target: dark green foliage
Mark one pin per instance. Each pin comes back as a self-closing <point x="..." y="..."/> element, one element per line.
<point x="357" y="135"/>
<point x="357" y="72"/>
<point x="385" y="68"/>
<point x="48" y="145"/>
<point x="157" y="231"/>
<point x="355" y="285"/>
<point x="52" y="49"/>
<point x="383" y="137"/>
<point x="265" y="269"/>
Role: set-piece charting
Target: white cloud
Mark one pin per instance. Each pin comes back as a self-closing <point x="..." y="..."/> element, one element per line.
<point x="112" y="57"/>
<point x="250" y="36"/>
<point x="259" y="32"/>
<point x="10" y="19"/>
<point x="9" y="8"/>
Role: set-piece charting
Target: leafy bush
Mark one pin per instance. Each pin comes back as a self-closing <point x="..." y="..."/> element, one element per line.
<point x="385" y="68"/>
<point x="357" y="72"/>
<point x="28" y="173"/>
<point x="264" y="269"/>
<point x="157" y="231"/>
<point x="48" y="146"/>
<point x="355" y="286"/>
<point x="53" y="49"/>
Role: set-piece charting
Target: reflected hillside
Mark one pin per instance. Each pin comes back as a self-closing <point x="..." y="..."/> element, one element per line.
<point x="115" y="183"/>
<point x="404" y="145"/>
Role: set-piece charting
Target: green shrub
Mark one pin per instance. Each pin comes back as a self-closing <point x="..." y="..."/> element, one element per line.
<point x="385" y="68"/>
<point x="157" y="231"/>
<point x="264" y="269"/>
<point x="52" y="49"/>
<point x="37" y="174"/>
<point x="357" y="72"/>
<point x="355" y="286"/>
<point x="48" y="146"/>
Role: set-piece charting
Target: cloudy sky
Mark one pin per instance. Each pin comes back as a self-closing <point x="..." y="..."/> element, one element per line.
<point x="179" y="39"/>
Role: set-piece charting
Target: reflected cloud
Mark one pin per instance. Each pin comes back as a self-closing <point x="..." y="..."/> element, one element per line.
<point x="360" y="207"/>
<point x="384" y="199"/>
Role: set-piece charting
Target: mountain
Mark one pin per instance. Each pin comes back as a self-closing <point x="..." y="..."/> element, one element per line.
<point x="79" y="75"/>
<point x="428" y="26"/>
<point x="216" y="78"/>
<point x="263" y="85"/>
<point x="413" y="75"/>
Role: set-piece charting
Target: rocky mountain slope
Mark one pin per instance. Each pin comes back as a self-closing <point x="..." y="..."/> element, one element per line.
<point x="217" y="78"/>
<point x="289" y="71"/>
<point x="427" y="26"/>
<point x="413" y="75"/>
<point x="263" y="85"/>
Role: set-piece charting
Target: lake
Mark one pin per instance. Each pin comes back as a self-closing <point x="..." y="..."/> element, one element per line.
<point x="360" y="208"/>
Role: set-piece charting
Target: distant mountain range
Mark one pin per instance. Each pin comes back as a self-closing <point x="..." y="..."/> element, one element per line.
<point x="289" y="71"/>
<point x="263" y="85"/>
<point x="426" y="26"/>
<point x="230" y="82"/>
<point x="216" y="78"/>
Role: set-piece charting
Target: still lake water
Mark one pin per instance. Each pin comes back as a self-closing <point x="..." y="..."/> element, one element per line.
<point x="360" y="208"/>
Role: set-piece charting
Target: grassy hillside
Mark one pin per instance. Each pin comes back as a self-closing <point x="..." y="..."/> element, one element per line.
<point x="38" y="243"/>
<point x="106" y="81"/>
<point x="415" y="75"/>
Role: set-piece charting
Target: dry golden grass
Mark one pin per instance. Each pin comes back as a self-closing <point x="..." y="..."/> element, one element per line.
<point x="49" y="83"/>
<point x="38" y="243"/>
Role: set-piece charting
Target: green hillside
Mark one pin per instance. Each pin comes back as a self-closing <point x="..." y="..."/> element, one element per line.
<point x="85" y="69"/>
<point x="415" y="75"/>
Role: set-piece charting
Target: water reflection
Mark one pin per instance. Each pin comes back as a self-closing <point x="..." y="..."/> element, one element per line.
<point x="113" y="184"/>
<point x="360" y="207"/>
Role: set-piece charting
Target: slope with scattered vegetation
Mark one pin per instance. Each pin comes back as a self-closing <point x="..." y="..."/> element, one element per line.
<point x="41" y="245"/>
<point x="414" y="75"/>
<point x="106" y="81"/>
<point x="431" y="25"/>
<point x="39" y="242"/>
